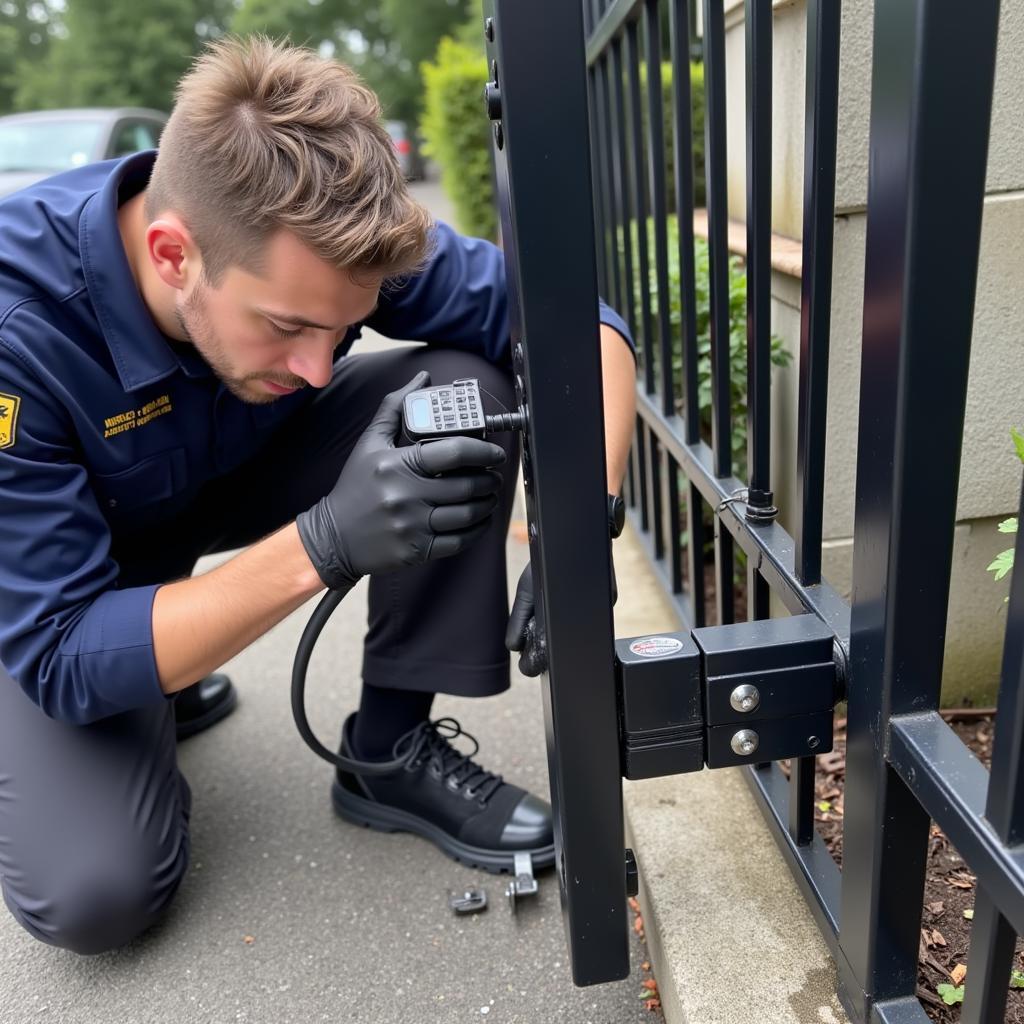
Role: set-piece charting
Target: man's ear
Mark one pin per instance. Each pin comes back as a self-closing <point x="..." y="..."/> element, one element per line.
<point x="172" y="251"/>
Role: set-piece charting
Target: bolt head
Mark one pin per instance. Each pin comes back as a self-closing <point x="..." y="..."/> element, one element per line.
<point x="499" y="135"/>
<point x="745" y="698"/>
<point x="813" y="742"/>
<point x="489" y="29"/>
<point x="744" y="742"/>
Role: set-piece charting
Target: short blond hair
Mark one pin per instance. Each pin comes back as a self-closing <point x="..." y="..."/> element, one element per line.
<point x="265" y="136"/>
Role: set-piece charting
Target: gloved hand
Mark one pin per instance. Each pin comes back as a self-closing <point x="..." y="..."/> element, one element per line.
<point x="394" y="507"/>
<point x="525" y="633"/>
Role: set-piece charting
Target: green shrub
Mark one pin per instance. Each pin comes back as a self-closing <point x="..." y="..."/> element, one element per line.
<point x="457" y="134"/>
<point x="737" y="331"/>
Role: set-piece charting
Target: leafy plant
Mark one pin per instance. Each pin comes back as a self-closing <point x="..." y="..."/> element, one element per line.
<point x="737" y="330"/>
<point x="1016" y="979"/>
<point x="951" y="993"/>
<point x="458" y="135"/>
<point x="1003" y="562"/>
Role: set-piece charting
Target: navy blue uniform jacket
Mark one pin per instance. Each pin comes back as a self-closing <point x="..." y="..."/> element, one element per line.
<point x="107" y="425"/>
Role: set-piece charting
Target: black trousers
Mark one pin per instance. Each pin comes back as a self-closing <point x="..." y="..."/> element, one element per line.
<point x="94" y="819"/>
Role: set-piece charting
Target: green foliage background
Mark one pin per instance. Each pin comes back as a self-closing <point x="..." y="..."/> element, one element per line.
<point x="126" y="53"/>
<point x="457" y="135"/>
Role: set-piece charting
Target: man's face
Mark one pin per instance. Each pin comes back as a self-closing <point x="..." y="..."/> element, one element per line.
<point x="266" y="336"/>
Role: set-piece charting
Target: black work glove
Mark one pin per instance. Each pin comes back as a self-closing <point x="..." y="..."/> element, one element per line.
<point x="394" y="507"/>
<point x="525" y="633"/>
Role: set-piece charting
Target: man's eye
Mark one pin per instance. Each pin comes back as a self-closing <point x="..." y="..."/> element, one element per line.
<point x="283" y="331"/>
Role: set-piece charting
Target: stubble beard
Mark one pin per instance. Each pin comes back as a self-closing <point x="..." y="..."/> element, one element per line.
<point x="195" y="325"/>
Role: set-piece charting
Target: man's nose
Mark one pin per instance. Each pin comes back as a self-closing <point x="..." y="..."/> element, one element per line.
<point x="313" y="361"/>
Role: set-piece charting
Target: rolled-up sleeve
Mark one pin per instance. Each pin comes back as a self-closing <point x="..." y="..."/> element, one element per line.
<point x="79" y="647"/>
<point x="460" y="299"/>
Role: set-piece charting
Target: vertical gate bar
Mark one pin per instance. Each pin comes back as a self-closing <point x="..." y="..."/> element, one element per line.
<point x="725" y="596"/>
<point x="821" y="118"/>
<point x="637" y="174"/>
<point x="993" y="942"/>
<point x="657" y="518"/>
<point x="1005" y="804"/>
<point x="641" y="462"/>
<point x="604" y="180"/>
<point x="544" y="189"/>
<point x="801" y="800"/>
<point x="656" y="157"/>
<point x="623" y="162"/>
<point x="695" y="555"/>
<point x="718" y="226"/>
<point x="759" y="250"/>
<point x="992" y="938"/>
<point x="631" y="477"/>
<point x="670" y="474"/>
<point x="931" y="68"/>
<point x="819" y="190"/>
<point x="614" y="179"/>
<point x="594" y="109"/>
<point x="682" y="102"/>
<point x="758" y="594"/>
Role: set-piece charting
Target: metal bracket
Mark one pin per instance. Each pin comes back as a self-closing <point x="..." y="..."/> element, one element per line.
<point x="472" y="901"/>
<point x="726" y="695"/>
<point x="523" y="884"/>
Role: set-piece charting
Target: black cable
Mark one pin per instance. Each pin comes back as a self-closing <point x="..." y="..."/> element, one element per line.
<point x="303" y="652"/>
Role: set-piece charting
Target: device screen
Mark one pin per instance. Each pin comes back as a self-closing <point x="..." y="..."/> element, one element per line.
<point x="420" y="413"/>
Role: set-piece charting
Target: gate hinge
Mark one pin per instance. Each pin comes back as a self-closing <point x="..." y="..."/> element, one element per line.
<point x="725" y="695"/>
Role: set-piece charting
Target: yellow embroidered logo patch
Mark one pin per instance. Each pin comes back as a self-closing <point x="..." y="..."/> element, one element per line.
<point x="8" y="419"/>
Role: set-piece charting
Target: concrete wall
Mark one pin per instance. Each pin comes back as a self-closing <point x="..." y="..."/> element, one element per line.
<point x="990" y="474"/>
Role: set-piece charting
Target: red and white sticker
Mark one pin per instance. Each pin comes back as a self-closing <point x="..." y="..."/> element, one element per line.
<point x="656" y="646"/>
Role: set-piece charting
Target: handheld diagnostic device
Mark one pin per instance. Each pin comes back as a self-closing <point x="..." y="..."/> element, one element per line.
<point x="453" y="410"/>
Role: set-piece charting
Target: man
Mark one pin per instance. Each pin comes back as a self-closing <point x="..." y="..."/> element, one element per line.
<point x="171" y="328"/>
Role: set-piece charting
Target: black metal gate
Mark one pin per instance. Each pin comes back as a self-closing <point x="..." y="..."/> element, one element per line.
<point x="576" y="100"/>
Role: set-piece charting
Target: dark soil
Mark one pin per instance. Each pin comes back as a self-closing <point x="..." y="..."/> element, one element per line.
<point x="949" y="885"/>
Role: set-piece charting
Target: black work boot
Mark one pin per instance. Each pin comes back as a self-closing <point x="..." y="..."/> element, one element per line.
<point x="472" y="814"/>
<point x="203" y="704"/>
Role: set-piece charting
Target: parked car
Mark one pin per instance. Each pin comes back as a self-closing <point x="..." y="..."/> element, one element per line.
<point x="409" y="159"/>
<point x="36" y="144"/>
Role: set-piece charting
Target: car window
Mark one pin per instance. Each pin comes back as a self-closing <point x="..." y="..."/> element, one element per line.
<point x="131" y="136"/>
<point x="47" y="146"/>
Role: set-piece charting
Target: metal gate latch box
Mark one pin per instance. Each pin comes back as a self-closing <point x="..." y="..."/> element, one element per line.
<point x="725" y="695"/>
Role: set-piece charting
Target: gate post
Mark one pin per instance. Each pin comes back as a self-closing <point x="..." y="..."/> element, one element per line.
<point x="538" y="102"/>
<point x="925" y="197"/>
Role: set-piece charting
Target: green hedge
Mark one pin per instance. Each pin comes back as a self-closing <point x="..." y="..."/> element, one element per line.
<point x="457" y="134"/>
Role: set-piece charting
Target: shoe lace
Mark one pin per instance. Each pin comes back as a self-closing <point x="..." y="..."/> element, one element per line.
<point x="432" y="742"/>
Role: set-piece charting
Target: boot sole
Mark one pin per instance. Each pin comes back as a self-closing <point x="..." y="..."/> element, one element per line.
<point x="359" y="811"/>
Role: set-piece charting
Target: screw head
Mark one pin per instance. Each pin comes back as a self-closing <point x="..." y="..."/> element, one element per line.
<point x="813" y="742"/>
<point x="489" y="29"/>
<point x="499" y="135"/>
<point x="745" y="698"/>
<point x="744" y="742"/>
